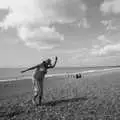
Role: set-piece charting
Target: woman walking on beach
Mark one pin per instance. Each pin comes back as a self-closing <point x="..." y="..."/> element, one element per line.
<point x="38" y="78"/>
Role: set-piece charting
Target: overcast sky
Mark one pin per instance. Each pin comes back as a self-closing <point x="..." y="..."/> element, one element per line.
<point x="79" y="32"/>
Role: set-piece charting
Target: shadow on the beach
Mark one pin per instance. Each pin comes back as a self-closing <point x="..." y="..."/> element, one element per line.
<point x="56" y="102"/>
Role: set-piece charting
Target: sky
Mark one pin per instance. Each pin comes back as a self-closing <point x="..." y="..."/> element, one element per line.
<point x="80" y="32"/>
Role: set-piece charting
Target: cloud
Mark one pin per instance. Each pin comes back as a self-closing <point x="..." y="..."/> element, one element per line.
<point x="104" y="46"/>
<point x="77" y="56"/>
<point x="40" y="38"/>
<point x="106" y="50"/>
<point x="84" y="23"/>
<point x="109" y="25"/>
<point x="103" y="40"/>
<point x="110" y="6"/>
<point x="33" y="19"/>
<point x="94" y="55"/>
<point x="100" y="42"/>
<point x="69" y="10"/>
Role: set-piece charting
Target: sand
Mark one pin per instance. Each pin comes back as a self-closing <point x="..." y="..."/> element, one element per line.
<point x="94" y="96"/>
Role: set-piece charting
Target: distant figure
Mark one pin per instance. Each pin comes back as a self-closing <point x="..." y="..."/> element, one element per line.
<point x="78" y="76"/>
<point x="38" y="78"/>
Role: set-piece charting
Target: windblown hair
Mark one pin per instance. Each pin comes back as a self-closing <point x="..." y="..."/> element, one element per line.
<point x="48" y="61"/>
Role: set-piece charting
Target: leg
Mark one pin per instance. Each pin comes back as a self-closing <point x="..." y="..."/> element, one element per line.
<point x="41" y="92"/>
<point x="40" y="86"/>
<point x="35" y="91"/>
<point x="35" y="95"/>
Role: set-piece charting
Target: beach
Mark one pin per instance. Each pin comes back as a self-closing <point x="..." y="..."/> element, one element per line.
<point x="94" y="96"/>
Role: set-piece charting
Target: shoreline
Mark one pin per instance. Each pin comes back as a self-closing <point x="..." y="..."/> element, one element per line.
<point x="61" y="74"/>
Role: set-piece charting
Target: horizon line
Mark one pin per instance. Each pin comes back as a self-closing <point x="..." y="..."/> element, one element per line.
<point x="65" y="66"/>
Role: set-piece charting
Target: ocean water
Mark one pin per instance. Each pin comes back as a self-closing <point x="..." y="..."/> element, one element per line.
<point x="14" y="73"/>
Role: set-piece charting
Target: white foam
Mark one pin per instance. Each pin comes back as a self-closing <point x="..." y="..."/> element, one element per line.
<point x="61" y="74"/>
<point x="88" y="71"/>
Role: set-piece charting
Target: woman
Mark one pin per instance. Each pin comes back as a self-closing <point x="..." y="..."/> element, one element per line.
<point x="38" y="78"/>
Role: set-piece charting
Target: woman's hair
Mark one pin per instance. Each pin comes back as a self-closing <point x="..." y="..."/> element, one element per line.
<point x="47" y="62"/>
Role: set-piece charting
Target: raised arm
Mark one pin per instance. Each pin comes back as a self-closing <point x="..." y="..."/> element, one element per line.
<point x="30" y="68"/>
<point x="52" y="66"/>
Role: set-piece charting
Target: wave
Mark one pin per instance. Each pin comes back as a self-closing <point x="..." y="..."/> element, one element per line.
<point x="59" y="75"/>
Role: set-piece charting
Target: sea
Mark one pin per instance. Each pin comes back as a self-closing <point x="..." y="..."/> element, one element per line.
<point x="12" y="74"/>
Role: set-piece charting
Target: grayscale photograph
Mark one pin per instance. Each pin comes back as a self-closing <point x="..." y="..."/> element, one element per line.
<point x="59" y="59"/>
